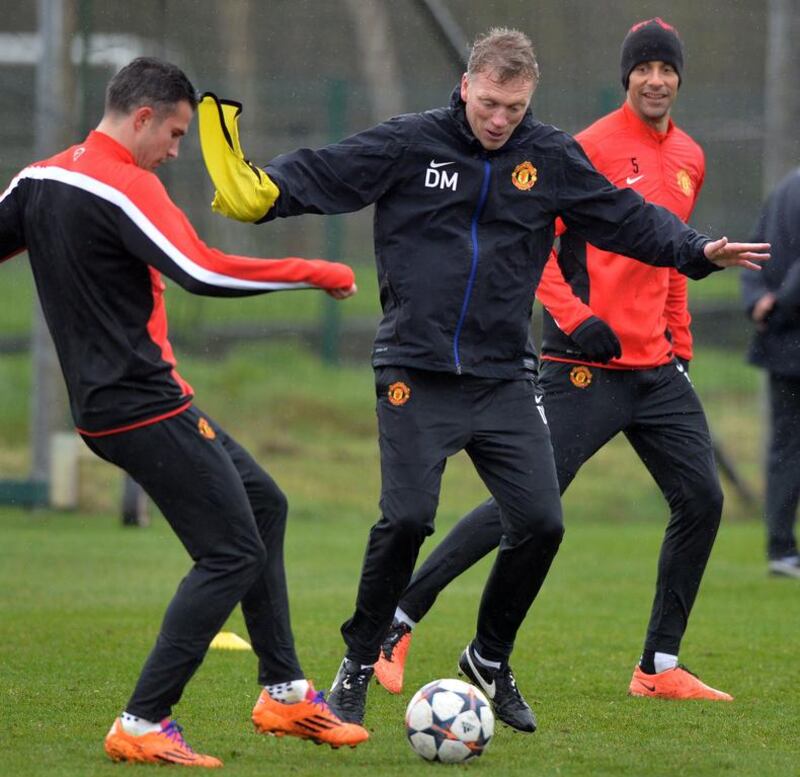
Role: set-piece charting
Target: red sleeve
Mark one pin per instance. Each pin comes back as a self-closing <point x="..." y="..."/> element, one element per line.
<point x="676" y="307"/>
<point x="158" y="232"/>
<point x="557" y="296"/>
<point x="701" y="179"/>
<point x="676" y="311"/>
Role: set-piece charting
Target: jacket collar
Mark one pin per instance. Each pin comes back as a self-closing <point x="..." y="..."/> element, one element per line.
<point x="108" y="145"/>
<point x="642" y="127"/>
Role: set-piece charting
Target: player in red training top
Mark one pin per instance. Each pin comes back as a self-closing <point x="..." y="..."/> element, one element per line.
<point x="100" y="229"/>
<point x="615" y="354"/>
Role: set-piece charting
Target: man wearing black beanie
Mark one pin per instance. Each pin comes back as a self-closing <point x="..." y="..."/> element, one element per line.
<point x="615" y="354"/>
<point x="651" y="41"/>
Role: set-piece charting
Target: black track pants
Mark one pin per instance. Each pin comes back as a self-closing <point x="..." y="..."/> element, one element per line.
<point x="230" y="516"/>
<point x="783" y="466"/>
<point x="423" y="418"/>
<point x="660" y="414"/>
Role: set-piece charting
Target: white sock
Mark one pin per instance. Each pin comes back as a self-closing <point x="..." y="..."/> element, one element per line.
<point x="401" y="617"/>
<point x="137" y="726"/>
<point x="288" y="693"/>
<point x="485" y="661"/>
<point x="664" y="661"/>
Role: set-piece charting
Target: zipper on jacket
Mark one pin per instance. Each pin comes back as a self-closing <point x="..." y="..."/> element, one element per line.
<point x="487" y="171"/>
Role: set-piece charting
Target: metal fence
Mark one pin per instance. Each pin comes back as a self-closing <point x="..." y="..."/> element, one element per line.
<point x="309" y="71"/>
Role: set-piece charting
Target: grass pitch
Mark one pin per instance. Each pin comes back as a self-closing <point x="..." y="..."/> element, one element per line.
<point x="82" y="599"/>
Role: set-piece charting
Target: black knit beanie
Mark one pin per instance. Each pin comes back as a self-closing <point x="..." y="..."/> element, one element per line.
<point x="650" y="41"/>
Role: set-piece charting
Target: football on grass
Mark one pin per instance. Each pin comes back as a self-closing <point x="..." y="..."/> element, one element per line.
<point x="449" y="721"/>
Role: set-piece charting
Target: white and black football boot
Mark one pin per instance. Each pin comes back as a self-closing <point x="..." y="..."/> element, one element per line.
<point x="501" y="689"/>
<point x="348" y="694"/>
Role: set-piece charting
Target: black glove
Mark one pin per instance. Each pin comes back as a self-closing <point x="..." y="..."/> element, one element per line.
<point x="597" y="340"/>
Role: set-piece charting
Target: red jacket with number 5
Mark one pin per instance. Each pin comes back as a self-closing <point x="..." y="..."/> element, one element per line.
<point x="646" y="306"/>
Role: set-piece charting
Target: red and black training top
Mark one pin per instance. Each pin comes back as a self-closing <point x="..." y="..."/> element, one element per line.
<point x="100" y="231"/>
<point x="646" y="306"/>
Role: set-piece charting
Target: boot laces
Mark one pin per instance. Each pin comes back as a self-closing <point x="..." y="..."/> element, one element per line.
<point x="175" y="732"/>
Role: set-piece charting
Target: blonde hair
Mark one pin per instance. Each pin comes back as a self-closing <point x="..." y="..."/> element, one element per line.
<point x="508" y="53"/>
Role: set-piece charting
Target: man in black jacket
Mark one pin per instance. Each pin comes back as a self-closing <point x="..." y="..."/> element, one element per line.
<point x="611" y="331"/>
<point x="465" y="203"/>
<point x="772" y="300"/>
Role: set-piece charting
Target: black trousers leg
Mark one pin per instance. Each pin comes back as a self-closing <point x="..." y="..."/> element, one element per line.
<point x="671" y="436"/>
<point x="265" y="606"/>
<point x="783" y="466"/>
<point x="475" y="535"/>
<point x="511" y="450"/>
<point x="194" y="481"/>
<point x="417" y="431"/>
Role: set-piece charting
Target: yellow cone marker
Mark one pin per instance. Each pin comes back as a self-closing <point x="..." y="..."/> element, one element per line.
<point x="227" y="640"/>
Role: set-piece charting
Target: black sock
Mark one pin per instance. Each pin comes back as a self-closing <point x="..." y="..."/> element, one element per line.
<point x="647" y="661"/>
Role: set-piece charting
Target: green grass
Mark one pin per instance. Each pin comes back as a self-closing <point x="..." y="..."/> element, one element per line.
<point x="16" y="297"/>
<point x="82" y="599"/>
<point x="290" y="409"/>
<point x="721" y="287"/>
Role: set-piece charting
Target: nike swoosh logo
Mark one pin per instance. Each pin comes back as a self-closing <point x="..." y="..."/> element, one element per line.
<point x="650" y="688"/>
<point x="439" y="164"/>
<point x="488" y="688"/>
<point x="631" y="181"/>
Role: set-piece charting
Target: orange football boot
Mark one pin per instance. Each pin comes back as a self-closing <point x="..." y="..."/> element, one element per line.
<point x="158" y="747"/>
<point x="677" y="683"/>
<point x="391" y="663"/>
<point x="311" y="719"/>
